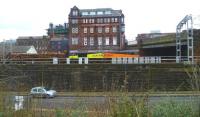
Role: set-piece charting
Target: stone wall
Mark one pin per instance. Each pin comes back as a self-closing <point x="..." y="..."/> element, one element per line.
<point x="96" y="77"/>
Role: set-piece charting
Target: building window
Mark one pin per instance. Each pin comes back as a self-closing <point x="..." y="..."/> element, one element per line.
<point x="99" y="29"/>
<point x="107" y="12"/>
<point x="74" y="41"/>
<point x="122" y="20"/>
<point x="112" y="20"/>
<point x="107" y="40"/>
<point x="107" y="29"/>
<point x="74" y="21"/>
<point x="85" y="41"/>
<point x="91" y="30"/>
<point x="85" y="21"/>
<point x="114" y="29"/>
<point x="74" y="30"/>
<point x="75" y="13"/>
<point x="91" y="41"/>
<point x="85" y="30"/>
<point x="99" y="40"/>
<point x="99" y="13"/>
<point x="115" y="40"/>
<point x="106" y="20"/>
<point x="92" y="13"/>
<point x="84" y="13"/>
<point x="92" y="21"/>
<point x="100" y="20"/>
<point x="116" y="20"/>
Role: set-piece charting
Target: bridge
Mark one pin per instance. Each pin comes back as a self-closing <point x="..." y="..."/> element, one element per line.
<point x="164" y="44"/>
<point x="185" y="42"/>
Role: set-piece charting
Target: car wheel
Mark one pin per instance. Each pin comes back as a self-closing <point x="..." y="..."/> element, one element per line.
<point x="48" y="96"/>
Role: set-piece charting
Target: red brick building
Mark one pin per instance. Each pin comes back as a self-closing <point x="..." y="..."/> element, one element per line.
<point x="96" y="30"/>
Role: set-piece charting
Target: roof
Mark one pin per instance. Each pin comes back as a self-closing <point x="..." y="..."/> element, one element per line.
<point x="17" y="49"/>
<point x="21" y="49"/>
<point x="99" y="12"/>
<point x="31" y="37"/>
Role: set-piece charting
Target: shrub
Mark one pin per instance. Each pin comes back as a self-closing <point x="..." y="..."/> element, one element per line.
<point x="171" y="108"/>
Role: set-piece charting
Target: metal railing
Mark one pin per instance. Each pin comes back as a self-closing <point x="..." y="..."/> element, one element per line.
<point x="84" y="60"/>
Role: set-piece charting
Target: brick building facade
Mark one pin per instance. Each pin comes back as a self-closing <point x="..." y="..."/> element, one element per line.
<point x="96" y="30"/>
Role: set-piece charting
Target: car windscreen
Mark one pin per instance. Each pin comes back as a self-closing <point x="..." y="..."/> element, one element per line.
<point x="47" y="89"/>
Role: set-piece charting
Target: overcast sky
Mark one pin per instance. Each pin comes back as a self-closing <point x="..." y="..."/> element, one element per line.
<point x="32" y="17"/>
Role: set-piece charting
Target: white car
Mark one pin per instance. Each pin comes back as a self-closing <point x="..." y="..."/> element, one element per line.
<point x="42" y="92"/>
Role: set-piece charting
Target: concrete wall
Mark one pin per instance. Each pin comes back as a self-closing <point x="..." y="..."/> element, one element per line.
<point x="96" y="77"/>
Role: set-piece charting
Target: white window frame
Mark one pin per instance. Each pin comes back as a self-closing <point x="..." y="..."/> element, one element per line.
<point x="92" y="21"/>
<point x="107" y="29"/>
<point x="114" y="29"/>
<point x="100" y="41"/>
<point x="92" y="13"/>
<point x="74" y="12"/>
<point x="100" y="20"/>
<point x="85" y="41"/>
<point x="84" y="21"/>
<point x="91" y="41"/>
<point x="85" y="30"/>
<point x="100" y="13"/>
<point x="107" y="12"/>
<point x="112" y="20"/>
<point x="107" y="41"/>
<point x="75" y="30"/>
<point x="84" y="13"/>
<point x="74" y="41"/>
<point x="115" y="40"/>
<point x="108" y="20"/>
<point x="74" y="21"/>
<point x="91" y="29"/>
<point x="100" y="29"/>
<point x="116" y="19"/>
<point x="105" y="20"/>
<point x="122" y="20"/>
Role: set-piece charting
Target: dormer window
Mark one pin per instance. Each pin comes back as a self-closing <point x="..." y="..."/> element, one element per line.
<point x="75" y="13"/>
<point x="84" y="13"/>
<point x="92" y="13"/>
<point x="99" y="13"/>
<point x="122" y="20"/>
<point x="107" y="12"/>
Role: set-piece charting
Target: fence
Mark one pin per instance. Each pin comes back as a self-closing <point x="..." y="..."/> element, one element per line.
<point x="85" y="60"/>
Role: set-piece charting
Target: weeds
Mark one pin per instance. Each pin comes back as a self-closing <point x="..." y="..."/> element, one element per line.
<point x="169" y="108"/>
<point x="193" y="73"/>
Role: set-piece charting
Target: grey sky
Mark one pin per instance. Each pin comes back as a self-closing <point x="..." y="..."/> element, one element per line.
<point x="32" y="17"/>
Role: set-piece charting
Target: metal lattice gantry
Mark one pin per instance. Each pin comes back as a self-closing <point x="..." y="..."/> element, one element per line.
<point x="188" y="22"/>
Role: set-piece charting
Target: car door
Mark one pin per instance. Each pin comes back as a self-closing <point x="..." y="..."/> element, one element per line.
<point x="41" y="92"/>
<point x="34" y="91"/>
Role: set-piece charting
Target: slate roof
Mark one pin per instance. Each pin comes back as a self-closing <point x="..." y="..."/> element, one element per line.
<point x="98" y="12"/>
<point x="30" y="37"/>
<point x="15" y="49"/>
<point x="112" y="12"/>
<point x="21" y="49"/>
